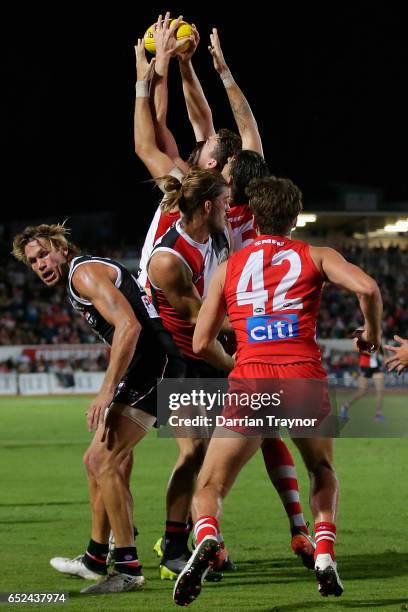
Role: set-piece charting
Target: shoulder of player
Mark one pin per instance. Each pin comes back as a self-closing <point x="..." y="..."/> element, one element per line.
<point x="166" y="262"/>
<point x="323" y="252"/>
<point x="90" y="273"/>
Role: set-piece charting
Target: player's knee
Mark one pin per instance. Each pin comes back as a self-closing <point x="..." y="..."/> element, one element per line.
<point x="109" y="464"/>
<point x="88" y="462"/>
<point x="322" y="466"/>
<point x="93" y="460"/>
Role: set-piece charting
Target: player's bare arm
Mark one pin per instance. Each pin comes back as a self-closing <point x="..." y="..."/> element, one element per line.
<point x="171" y="275"/>
<point x="244" y="118"/>
<point x="166" y="45"/>
<point x="339" y="271"/>
<point x="210" y="321"/>
<point x="94" y="282"/>
<point x="157" y="162"/>
<point x="199" y="111"/>
<point x="398" y="362"/>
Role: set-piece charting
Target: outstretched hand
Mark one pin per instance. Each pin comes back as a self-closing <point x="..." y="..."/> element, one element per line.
<point x="398" y="362"/>
<point x="185" y="56"/>
<point x="215" y="49"/>
<point x="144" y="68"/>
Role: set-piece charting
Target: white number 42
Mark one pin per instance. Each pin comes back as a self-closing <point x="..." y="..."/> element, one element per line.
<point x="258" y="296"/>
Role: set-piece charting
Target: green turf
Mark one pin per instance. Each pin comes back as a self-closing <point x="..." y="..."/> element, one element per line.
<point x="44" y="513"/>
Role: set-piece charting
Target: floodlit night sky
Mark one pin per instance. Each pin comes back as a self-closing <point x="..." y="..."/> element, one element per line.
<point x="327" y="87"/>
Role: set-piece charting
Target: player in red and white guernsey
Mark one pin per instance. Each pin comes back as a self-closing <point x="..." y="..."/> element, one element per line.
<point x="193" y="248"/>
<point x="370" y="368"/>
<point x="270" y="291"/>
<point x="212" y="152"/>
<point x="179" y="272"/>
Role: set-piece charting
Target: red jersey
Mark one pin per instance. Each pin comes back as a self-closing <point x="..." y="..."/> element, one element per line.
<point x="242" y="223"/>
<point x="161" y="222"/>
<point x="201" y="260"/>
<point x="272" y="293"/>
<point x="240" y="218"/>
<point x="366" y="360"/>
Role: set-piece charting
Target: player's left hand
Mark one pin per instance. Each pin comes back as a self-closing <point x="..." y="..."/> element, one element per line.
<point x="144" y="68"/>
<point x="399" y="360"/>
<point x="365" y="342"/>
<point x="96" y="411"/>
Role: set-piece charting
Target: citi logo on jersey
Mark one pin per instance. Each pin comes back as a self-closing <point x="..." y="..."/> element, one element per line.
<point x="272" y="327"/>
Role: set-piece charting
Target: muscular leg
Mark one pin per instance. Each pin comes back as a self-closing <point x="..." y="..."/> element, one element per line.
<point x="110" y="467"/>
<point x="100" y="521"/>
<point x="183" y="478"/>
<point x="224" y="460"/>
<point x="317" y="454"/>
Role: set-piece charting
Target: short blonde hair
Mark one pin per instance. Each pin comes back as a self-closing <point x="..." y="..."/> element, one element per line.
<point x="55" y="234"/>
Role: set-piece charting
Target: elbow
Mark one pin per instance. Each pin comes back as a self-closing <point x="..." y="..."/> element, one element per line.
<point x="369" y="289"/>
<point x="143" y="150"/>
<point x="139" y="149"/>
<point x="131" y="329"/>
<point x="200" y="346"/>
<point x="193" y="319"/>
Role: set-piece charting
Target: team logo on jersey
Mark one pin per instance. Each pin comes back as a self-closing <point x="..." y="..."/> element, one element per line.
<point x="151" y="310"/>
<point x="272" y="327"/>
<point x="89" y="318"/>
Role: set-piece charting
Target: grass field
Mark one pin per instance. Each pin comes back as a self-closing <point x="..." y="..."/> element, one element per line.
<point x="44" y="513"/>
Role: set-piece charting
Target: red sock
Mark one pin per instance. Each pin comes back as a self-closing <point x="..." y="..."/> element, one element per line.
<point x="206" y="525"/>
<point x="325" y="536"/>
<point x="281" y="470"/>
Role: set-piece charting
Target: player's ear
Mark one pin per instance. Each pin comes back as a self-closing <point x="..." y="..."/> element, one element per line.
<point x="212" y="164"/>
<point x="207" y="206"/>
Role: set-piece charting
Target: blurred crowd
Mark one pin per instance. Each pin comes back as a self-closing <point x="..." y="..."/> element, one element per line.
<point x="32" y="314"/>
<point x="340" y="314"/>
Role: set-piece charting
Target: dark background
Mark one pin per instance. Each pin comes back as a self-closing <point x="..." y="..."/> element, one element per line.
<point x="327" y="86"/>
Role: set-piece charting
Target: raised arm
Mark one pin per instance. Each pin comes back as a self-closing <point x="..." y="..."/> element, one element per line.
<point x="209" y="323"/>
<point x="199" y="112"/>
<point x="244" y="118"/>
<point x="157" y="162"/>
<point x="339" y="271"/>
<point x="166" y="46"/>
<point x="93" y="282"/>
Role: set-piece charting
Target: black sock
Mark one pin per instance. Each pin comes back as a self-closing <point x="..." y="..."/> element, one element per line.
<point x="95" y="557"/>
<point x="126" y="561"/>
<point x="175" y="539"/>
